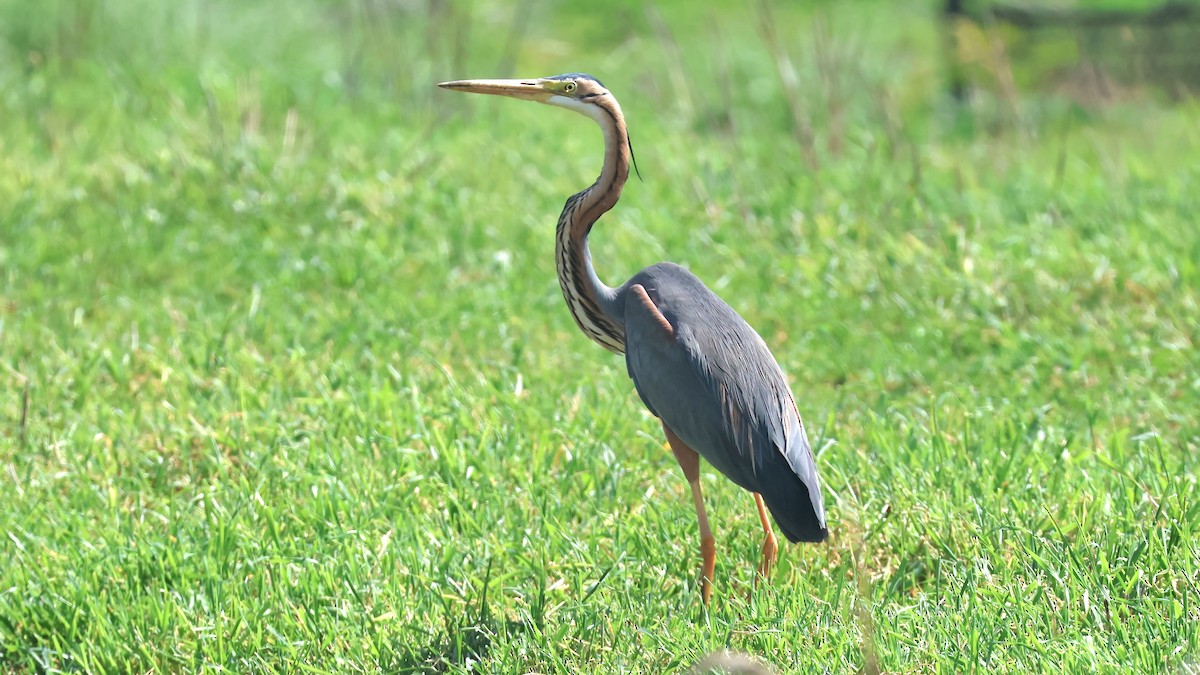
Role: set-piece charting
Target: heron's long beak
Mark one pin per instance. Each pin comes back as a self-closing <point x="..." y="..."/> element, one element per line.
<point x="529" y="90"/>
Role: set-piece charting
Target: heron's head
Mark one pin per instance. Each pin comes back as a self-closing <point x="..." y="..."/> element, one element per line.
<point x="574" y="91"/>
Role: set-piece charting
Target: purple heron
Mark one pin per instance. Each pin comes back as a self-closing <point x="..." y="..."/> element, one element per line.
<point x="696" y="364"/>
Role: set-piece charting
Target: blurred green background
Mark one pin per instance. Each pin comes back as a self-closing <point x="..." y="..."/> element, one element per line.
<point x="287" y="382"/>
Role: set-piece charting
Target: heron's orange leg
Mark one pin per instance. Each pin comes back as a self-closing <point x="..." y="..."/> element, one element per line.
<point x="689" y="461"/>
<point x="770" y="547"/>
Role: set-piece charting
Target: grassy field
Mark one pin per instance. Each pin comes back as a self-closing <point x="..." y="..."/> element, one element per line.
<point x="287" y="382"/>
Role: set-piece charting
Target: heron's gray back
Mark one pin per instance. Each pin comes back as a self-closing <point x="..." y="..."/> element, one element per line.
<point x="717" y="386"/>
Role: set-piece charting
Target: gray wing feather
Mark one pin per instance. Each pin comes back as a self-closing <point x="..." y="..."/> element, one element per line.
<point x="717" y="386"/>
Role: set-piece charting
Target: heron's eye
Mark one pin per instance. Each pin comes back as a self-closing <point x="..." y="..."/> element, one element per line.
<point x="570" y="87"/>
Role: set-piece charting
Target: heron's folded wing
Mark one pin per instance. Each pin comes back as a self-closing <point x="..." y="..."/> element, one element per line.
<point x="718" y="387"/>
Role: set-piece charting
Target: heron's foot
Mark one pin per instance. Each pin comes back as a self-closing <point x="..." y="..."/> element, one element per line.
<point x="770" y="552"/>
<point x="770" y="547"/>
<point x="708" y="554"/>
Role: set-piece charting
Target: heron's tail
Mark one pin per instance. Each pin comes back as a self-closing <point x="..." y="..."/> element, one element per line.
<point x="794" y="511"/>
<point x="794" y="497"/>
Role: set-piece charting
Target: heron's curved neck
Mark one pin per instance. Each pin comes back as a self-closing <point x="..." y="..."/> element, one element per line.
<point x="594" y="305"/>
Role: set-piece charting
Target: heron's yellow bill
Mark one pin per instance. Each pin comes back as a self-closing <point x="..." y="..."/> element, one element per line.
<point x="529" y="90"/>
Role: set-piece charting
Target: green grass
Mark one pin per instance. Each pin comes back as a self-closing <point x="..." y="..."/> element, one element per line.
<point x="287" y="382"/>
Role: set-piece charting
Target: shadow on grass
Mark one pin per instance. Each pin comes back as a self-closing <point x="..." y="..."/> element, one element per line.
<point x="465" y="638"/>
<point x="461" y="642"/>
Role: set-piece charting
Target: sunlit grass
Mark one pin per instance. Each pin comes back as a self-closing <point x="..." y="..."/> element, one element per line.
<point x="287" y="380"/>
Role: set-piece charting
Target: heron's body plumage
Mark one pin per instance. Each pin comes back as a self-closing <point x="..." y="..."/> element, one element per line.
<point x="717" y="386"/>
